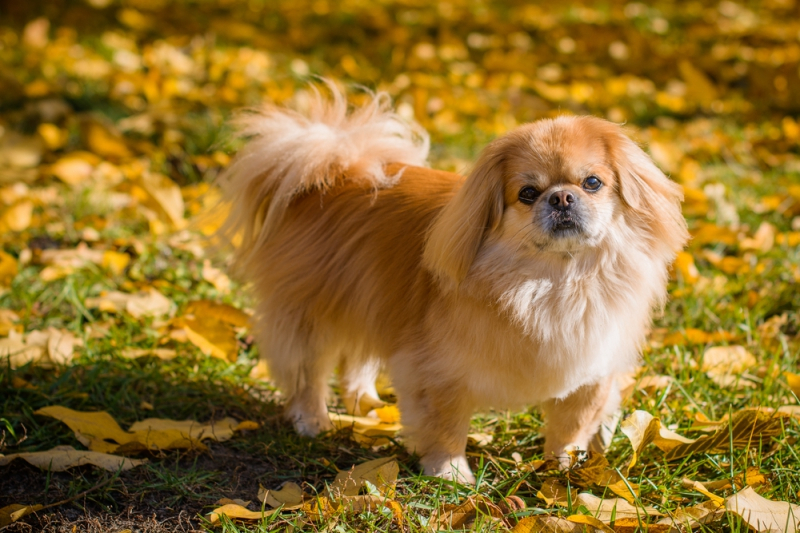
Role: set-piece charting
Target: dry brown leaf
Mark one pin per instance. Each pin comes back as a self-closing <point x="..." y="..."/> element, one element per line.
<point x="62" y="458"/>
<point x="461" y="515"/>
<point x="764" y="515"/>
<point x="480" y="439"/>
<point x="554" y="493"/>
<point x="75" y="168"/>
<point x="763" y="239"/>
<point x="11" y="513"/>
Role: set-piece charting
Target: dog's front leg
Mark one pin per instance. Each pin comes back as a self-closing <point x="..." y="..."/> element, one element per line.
<point x="436" y="422"/>
<point x="574" y="420"/>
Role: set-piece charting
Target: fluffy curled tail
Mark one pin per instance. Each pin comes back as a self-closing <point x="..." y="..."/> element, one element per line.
<point x="289" y="153"/>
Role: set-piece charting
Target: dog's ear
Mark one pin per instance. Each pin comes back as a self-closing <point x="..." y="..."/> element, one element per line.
<point x="653" y="200"/>
<point x="477" y="207"/>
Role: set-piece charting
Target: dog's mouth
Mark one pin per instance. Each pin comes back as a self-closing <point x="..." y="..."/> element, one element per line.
<point x="564" y="223"/>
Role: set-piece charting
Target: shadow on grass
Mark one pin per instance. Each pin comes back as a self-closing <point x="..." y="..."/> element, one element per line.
<point x="174" y="488"/>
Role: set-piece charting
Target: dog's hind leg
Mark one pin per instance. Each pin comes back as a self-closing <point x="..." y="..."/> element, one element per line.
<point x="300" y="370"/>
<point x="357" y="380"/>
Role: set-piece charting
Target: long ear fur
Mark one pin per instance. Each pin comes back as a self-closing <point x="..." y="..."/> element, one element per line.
<point x="457" y="233"/>
<point x="653" y="199"/>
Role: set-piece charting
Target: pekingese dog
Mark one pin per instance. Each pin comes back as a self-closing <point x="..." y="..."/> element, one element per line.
<point x="532" y="280"/>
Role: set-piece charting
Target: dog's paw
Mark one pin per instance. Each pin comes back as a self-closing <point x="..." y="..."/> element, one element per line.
<point x="308" y="424"/>
<point x="452" y="468"/>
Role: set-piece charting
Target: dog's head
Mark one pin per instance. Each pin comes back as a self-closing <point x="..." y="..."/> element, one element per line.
<point x="560" y="186"/>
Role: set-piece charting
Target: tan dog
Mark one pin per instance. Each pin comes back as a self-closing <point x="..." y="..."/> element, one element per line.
<point x="530" y="281"/>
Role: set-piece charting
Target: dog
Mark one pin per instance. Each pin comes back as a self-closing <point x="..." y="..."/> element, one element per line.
<point x="530" y="281"/>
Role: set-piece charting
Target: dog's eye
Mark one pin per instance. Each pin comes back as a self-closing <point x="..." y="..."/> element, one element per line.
<point x="528" y="195"/>
<point x="592" y="183"/>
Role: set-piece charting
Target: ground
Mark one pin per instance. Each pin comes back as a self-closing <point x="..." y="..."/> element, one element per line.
<point x="113" y="121"/>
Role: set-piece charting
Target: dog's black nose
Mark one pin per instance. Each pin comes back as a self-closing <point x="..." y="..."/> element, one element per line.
<point x="561" y="200"/>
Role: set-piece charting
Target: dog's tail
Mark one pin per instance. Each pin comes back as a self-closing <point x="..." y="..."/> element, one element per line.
<point x="289" y="153"/>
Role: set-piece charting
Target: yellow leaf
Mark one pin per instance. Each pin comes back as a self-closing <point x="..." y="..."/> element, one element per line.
<point x="46" y="347"/>
<point x="234" y="511"/>
<point x="64" y="457"/>
<point x="701" y="488"/>
<point x="218" y="311"/>
<point x="367" y="431"/>
<point x="98" y="431"/>
<point x="684" y="265"/>
<point x="698" y="87"/>
<point x="762" y="514"/>
<point x="642" y="428"/>
<point x="381" y="473"/>
<point x="458" y="516"/>
<point x="11" y="513"/>
<point x="554" y="493"/>
<point x="17" y="217"/>
<point x="105" y="142"/>
<point x="75" y="168"/>
<point x="590" y="521"/>
<point x="53" y="137"/>
<point x="8" y="269"/>
<point x="115" y="262"/>
<point x="794" y="382"/>
<point x="763" y="239"/>
<point x="167" y="197"/>
<point x="162" y="353"/>
<point x="547" y="524"/>
<point x="213" y="337"/>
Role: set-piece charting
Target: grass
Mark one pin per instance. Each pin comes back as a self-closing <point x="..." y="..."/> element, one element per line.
<point x="747" y="153"/>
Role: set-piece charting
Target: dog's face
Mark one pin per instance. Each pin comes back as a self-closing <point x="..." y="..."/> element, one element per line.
<point x="558" y="186"/>
<point x="560" y="189"/>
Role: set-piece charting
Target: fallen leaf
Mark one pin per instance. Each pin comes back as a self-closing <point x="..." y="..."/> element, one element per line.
<point x="480" y="439"/>
<point x="763" y="239"/>
<point x="554" y="493"/>
<point x="166" y="196"/>
<point x="366" y="430"/>
<point x="604" y="508"/>
<point x="290" y="496"/>
<point x="46" y="348"/>
<point x="764" y="515"/>
<point x="547" y="524"/>
<point x="380" y="473"/>
<point x="725" y="364"/>
<point x="75" y="168"/>
<point x="793" y="380"/>
<point x="216" y="277"/>
<point x="642" y="428"/>
<point x="235" y="511"/>
<point x="164" y="354"/>
<point x="694" y="516"/>
<point x="115" y="262"/>
<point x="684" y="264"/>
<point x="595" y="523"/>
<point x="459" y="516"/>
<point x="17" y="217"/>
<point x="8" y="269"/>
<point x="98" y="431"/>
<point x="148" y="302"/>
<point x="64" y="457"/>
<point x="11" y="513"/>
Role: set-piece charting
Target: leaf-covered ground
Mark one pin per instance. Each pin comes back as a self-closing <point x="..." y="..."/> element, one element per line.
<point x="112" y="126"/>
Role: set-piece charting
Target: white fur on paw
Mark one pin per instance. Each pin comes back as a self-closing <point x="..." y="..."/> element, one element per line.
<point x="452" y="468"/>
<point x="310" y="425"/>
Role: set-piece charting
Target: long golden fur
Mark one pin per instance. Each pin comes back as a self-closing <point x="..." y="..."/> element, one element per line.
<point x="473" y="298"/>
